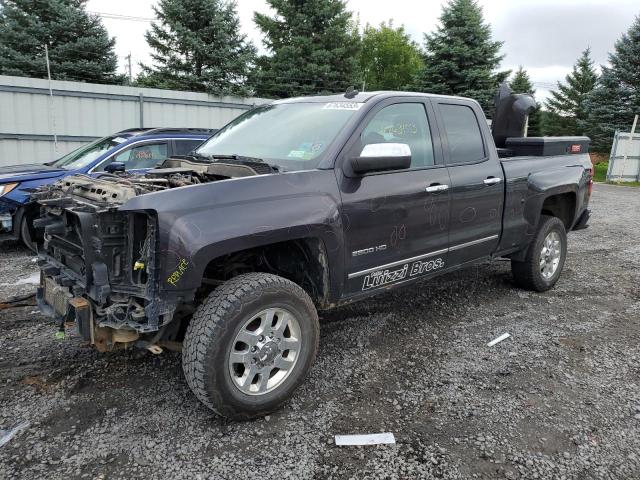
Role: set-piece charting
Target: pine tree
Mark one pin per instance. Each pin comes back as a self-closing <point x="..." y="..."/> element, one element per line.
<point x="461" y="58"/>
<point x="566" y="106"/>
<point x="389" y="59"/>
<point x="616" y="99"/>
<point x="197" y="45"/>
<point x="79" y="45"/>
<point x="521" y="83"/>
<point x="312" y="47"/>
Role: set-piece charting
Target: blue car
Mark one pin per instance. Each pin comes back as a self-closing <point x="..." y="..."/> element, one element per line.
<point x="133" y="150"/>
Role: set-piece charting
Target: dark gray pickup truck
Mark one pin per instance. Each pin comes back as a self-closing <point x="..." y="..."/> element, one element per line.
<point x="297" y="206"/>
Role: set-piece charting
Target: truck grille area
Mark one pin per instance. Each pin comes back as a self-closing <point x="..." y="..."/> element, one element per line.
<point x="104" y="256"/>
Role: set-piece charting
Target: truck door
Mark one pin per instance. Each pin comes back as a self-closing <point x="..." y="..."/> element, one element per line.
<point x="395" y="223"/>
<point x="477" y="183"/>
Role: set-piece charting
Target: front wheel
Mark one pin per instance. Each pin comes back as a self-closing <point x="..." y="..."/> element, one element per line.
<point x="545" y="257"/>
<point x="250" y="345"/>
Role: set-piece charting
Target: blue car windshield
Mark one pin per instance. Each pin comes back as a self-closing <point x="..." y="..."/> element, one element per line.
<point x="294" y="136"/>
<point x="83" y="156"/>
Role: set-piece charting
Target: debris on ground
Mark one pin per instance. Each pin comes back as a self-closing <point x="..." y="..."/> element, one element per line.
<point x="499" y="339"/>
<point x="365" y="439"/>
<point x="7" y="435"/>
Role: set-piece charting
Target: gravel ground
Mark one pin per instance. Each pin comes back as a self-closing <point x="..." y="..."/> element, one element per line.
<point x="559" y="399"/>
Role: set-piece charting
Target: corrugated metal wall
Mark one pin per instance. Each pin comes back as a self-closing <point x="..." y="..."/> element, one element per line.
<point x="81" y="112"/>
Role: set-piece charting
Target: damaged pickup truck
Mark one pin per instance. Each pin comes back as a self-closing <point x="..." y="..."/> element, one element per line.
<point x="298" y="206"/>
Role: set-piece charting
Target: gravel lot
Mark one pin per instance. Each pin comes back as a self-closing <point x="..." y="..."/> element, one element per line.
<point x="560" y="399"/>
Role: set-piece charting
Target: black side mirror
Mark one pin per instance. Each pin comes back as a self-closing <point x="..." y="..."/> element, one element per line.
<point x="114" y="167"/>
<point x="378" y="157"/>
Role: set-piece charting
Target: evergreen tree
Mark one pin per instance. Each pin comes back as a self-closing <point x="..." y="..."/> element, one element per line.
<point x="566" y="106"/>
<point x="616" y="99"/>
<point x="312" y="47"/>
<point x="389" y="59"/>
<point x="197" y="45"/>
<point x="521" y="83"/>
<point x="79" y="46"/>
<point x="461" y="58"/>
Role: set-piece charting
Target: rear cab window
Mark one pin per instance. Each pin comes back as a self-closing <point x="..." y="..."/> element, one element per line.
<point x="464" y="137"/>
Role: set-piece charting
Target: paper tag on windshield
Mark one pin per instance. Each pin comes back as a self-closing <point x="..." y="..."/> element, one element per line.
<point x="342" y="106"/>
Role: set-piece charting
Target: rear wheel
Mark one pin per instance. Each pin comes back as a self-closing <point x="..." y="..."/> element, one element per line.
<point x="545" y="257"/>
<point x="250" y="344"/>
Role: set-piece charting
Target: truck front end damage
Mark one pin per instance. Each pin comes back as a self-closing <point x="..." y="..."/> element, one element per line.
<point x="98" y="264"/>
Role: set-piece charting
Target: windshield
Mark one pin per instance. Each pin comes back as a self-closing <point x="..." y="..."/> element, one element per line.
<point x="290" y="135"/>
<point x="83" y="156"/>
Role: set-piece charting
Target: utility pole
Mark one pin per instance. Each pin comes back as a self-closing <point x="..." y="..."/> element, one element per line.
<point x="128" y="58"/>
<point x="51" y="105"/>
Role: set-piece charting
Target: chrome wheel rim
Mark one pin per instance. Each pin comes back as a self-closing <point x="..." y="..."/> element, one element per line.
<point x="550" y="255"/>
<point x="265" y="351"/>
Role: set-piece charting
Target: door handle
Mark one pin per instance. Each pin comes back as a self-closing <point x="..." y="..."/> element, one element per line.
<point x="492" y="180"/>
<point x="437" y="187"/>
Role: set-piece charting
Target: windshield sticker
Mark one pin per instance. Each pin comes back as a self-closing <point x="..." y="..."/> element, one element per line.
<point x="297" y="154"/>
<point x="342" y="106"/>
<point x="119" y="140"/>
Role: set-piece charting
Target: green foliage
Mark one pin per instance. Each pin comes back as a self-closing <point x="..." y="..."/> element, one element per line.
<point x="600" y="172"/>
<point x="461" y="58"/>
<point x="197" y="45"/>
<point x="566" y="106"/>
<point x="389" y="59"/>
<point x="312" y="47"/>
<point x="521" y="83"/>
<point x="613" y="103"/>
<point x="79" y="46"/>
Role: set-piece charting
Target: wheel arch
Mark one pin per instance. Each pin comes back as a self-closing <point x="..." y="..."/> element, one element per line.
<point x="302" y="260"/>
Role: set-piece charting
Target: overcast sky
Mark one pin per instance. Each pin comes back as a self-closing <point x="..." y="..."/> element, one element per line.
<point x="545" y="36"/>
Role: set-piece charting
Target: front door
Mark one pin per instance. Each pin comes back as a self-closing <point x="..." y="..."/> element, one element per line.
<point x="477" y="182"/>
<point x="395" y="223"/>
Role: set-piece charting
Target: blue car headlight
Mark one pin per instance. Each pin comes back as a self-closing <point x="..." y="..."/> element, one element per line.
<point x="6" y="188"/>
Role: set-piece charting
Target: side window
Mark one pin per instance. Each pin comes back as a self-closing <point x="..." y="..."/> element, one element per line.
<point x="463" y="134"/>
<point x="402" y="123"/>
<point x="147" y="155"/>
<point x="183" y="147"/>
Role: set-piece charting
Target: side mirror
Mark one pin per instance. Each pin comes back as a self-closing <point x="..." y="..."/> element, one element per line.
<point x="114" y="167"/>
<point x="378" y="157"/>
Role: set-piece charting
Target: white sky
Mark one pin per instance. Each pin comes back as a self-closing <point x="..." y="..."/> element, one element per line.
<point x="545" y="36"/>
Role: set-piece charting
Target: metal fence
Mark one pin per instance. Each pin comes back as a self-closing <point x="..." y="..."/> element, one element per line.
<point x="624" y="161"/>
<point x="32" y="115"/>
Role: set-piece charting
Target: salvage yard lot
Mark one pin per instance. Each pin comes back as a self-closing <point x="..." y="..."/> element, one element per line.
<point x="559" y="399"/>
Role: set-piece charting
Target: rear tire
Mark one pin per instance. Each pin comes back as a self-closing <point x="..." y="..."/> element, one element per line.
<point x="545" y="257"/>
<point x="250" y="344"/>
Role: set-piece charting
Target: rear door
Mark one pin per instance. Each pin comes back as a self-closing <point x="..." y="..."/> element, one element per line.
<point x="477" y="181"/>
<point x="395" y="223"/>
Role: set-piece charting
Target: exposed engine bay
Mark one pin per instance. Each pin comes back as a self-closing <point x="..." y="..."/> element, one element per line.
<point x="98" y="262"/>
<point x="115" y="189"/>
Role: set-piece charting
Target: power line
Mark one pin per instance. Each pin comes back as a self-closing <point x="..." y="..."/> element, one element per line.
<point x="117" y="16"/>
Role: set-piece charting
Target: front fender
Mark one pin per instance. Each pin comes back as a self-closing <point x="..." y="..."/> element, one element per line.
<point x="197" y="224"/>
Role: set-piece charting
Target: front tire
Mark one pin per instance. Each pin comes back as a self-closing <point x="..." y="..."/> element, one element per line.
<point x="250" y="344"/>
<point x="25" y="234"/>
<point x="545" y="257"/>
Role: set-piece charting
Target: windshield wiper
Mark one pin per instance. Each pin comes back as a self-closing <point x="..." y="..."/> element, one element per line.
<point x="235" y="156"/>
<point x="197" y="155"/>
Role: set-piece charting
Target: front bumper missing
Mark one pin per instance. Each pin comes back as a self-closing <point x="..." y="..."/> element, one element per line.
<point x="57" y="302"/>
